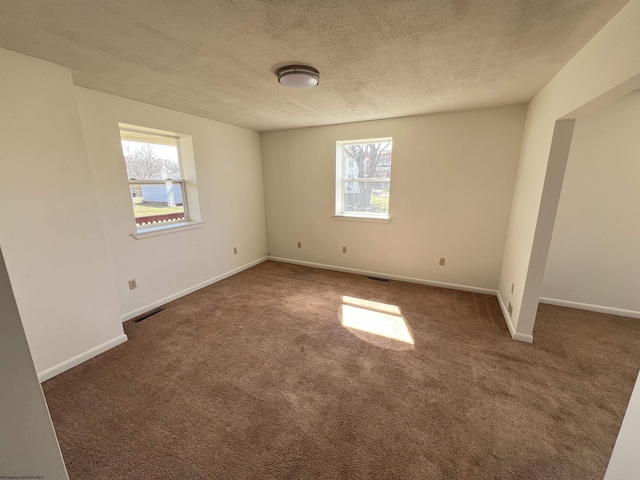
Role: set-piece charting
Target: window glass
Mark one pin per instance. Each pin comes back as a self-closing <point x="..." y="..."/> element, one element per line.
<point x="155" y="177"/>
<point x="364" y="177"/>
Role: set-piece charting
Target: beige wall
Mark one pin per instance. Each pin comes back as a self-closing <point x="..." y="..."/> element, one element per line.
<point x="594" y="257"/>
<point x="50" y="228"/>
<point x="451" y="187"/>
<point x="231" y="196"/>
<point x="66" y="216"/>
<point x="607" y="66"/>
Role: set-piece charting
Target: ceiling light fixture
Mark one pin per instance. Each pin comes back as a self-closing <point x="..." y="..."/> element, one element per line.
<point x="298" y="76"/>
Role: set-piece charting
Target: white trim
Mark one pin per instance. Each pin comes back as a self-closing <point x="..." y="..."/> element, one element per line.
<point x="432" y="283"/>
<point x="341" y="181"/>
<point x="624" y="462"/>
<point x="166" y="228"/>
<point x="521" y="337"/>
<point x="139" y="311"/>
<point x="592" y="308"/>
<point x="361" y="218"/>
<point x="78" y="359"/>
<point x="365" y="140"/>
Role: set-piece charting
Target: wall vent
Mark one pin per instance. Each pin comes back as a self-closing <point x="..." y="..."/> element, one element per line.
<point x="139" y="318"/>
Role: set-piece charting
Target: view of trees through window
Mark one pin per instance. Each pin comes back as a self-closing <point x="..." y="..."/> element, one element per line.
<point x="155" y="178"/>
<point x="365" y="177"/>
<point x="146" y="161"/>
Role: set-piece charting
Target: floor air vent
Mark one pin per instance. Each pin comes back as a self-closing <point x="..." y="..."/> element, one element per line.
<point x="139" y="318"/>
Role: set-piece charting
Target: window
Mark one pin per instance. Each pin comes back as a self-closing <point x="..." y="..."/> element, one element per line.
<point x="156" y="183"/>
<point x="363" y="178"/>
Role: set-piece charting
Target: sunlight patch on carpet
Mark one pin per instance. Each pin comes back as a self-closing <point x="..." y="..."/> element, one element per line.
<point x="376" y="318"/>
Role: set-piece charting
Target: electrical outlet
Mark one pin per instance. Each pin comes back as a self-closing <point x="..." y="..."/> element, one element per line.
<point x="299" y="244"/>
<point x="132" y="284"/>
<point x="510" y="309"/>
<point x="441" y="261"/>
<point x="235" y="250"/>
<point x="344" y="249"/>
<point x="512" y="287"/>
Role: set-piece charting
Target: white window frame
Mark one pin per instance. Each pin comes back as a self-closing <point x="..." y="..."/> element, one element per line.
<point x="340" y="212"/>
<point x="186" y="181"/>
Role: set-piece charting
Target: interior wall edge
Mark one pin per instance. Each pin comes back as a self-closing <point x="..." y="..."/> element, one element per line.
<point x="520" y="337"/>
<point x="591" y="308"/>
<point x="81" y="358"/>
<point x="581" y="81"/>
<point x="625" y="462"/>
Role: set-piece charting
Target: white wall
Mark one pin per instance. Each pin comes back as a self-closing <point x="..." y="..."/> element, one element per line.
<point x="231" y="196"/>
<point x="452" y="182"/>
<point x="28" y="444"/>
<point x="607" y="66"/>
<point x="625" y="461"/>
<point x="50" y="229"/>
<point x="594" y="256"/>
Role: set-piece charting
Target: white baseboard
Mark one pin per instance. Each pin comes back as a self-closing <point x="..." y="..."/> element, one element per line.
<point x="83" y="357"/>
<point x="592" y="308"/>
<point x="431" y="283"/>
<point x="187" y="291"/>
<point x="521" y="337"/>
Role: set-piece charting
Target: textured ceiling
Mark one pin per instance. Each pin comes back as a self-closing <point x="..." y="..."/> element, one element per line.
<point x="377" y="58"/>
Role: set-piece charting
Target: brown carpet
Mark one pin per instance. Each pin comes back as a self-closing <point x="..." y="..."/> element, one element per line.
<point x="255" y="377"/>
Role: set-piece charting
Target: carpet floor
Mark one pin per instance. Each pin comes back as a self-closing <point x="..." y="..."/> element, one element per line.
<point x="274" y="373"/>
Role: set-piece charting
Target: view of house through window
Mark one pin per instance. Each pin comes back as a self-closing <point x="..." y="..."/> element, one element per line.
<point x="363" y="177"/>
<point x="155" y="177"/>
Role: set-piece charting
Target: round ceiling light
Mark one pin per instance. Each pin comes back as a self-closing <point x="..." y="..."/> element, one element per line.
<point x="298" y="76"/>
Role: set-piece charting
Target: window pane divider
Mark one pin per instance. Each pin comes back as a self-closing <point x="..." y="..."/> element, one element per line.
<point x="153" y="182"/>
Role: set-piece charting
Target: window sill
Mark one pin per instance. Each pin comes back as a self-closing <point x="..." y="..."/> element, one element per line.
<point x="361" y="218"/>
<point x="165" y="229"/>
